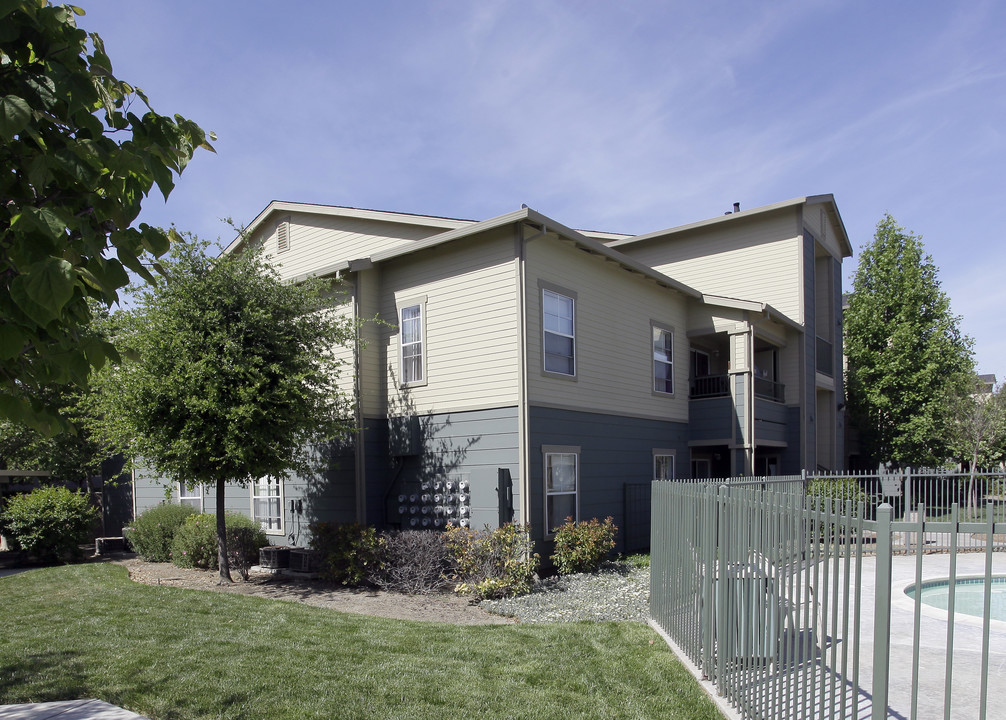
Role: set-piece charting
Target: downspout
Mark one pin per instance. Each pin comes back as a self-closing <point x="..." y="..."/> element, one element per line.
<point x="522" y="407"/>
<point x="751" y="405"/>
<point x="358" y="454"/>
<point x="523" y="419"/>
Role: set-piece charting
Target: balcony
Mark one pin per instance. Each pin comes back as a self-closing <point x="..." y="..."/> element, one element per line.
<point x="825" y="358"/>
<point x="712" y="386"/>
<point x="709" y="386"/>
<point x="769" y="390"/>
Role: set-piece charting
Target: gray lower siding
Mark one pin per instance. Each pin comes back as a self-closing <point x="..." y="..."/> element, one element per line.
<point x="614" y="450"/>
<point x="711" y="419"/>
<point x="305" y="500"/>
<point x="792" y="462"/>
<point x="471" y="446"/>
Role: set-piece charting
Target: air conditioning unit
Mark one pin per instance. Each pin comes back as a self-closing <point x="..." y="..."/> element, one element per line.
<point x="274" y="557"/>
<point x="303" y="561"/>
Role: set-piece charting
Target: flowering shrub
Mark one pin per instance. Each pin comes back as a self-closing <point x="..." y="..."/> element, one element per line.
<point x="351" y="554"/>
<point x="582" y="547"/>
<point x="152" y="533"/>
<point x="414" y="562"/>
<point x="49" y="523"/>
<point x="492" y="563"/>
<point x="195" y="543"/>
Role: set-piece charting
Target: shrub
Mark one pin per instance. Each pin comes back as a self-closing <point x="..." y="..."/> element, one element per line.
<point x="492" y="563"/>
<point x="351" y="554"/>
<point x="195" y="543"/>
<point x="582" y="547"/>
<point x="821" y="490"/>
<point x="824" y="492"/>
<point x="152" y="533"/>
<point x="49" y="523"/>
<point x="414" y="562"/>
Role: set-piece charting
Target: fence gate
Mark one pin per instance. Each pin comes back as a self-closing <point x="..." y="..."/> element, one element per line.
<point x="636" y="527"/>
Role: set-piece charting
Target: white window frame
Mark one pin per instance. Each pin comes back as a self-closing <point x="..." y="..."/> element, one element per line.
<point x="268" y="523"/>
<point x="662" y="458"/>
<point x="559" y="294"/>
<point x="550" y="452"/>
<point x="657" y="331"/>
<point x="195" y="499"/>
<point x="418" y="304"/>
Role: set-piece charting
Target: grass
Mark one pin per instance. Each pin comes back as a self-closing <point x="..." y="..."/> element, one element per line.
<point x="167" y="653"/>
<point x="638" y="560"/>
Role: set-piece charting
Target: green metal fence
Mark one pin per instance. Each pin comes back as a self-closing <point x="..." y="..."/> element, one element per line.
<point x="792" y="604"/>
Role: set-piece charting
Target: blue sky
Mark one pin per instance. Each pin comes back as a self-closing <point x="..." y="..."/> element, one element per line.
<point x="617" y="116"/>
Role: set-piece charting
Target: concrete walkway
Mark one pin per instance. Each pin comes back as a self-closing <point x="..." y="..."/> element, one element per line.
<point x="67" y="710"/>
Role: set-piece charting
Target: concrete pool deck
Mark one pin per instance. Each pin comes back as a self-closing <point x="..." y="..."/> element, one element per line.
<point x="965" y="683"/>
<point x="967" y="642"/>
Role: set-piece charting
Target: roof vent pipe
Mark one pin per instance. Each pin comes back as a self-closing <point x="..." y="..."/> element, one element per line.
<point x="737" y="207"/>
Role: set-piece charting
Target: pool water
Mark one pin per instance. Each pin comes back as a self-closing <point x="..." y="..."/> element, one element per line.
<point x="969" y="596"/>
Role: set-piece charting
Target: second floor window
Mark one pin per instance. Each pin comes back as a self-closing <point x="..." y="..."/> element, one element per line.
<point x="663" y="360"/>
<point x="558" y="322"/>
<point x="412" y="344"/>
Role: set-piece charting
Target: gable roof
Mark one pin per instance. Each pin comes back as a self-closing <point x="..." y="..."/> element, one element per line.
<point x="469" y="229"/>
<point x="827" y="200"/>
<point x="276" y="207"/>
<point x="595" y="243"/>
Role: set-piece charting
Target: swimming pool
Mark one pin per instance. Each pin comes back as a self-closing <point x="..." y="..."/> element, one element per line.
<point x="969" y="595"/>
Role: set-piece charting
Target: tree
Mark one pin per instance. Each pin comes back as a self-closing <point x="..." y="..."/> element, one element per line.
<point x="978" y="427"/>
<point x="75" y="456"/>
<point x="235" y="375"/>
<point x="69" y="456"/>
<point x="76" y="163"/>
<point x="906" y="355"/>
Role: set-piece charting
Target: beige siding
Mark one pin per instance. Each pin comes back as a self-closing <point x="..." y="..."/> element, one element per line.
<point x="472" y="318"/>
<point x="758" y="259"/>
<point x="345" y="353"/>
<point x="703" y="318"/>
<point x="614" y="353"/>
<point x="820" y="222"/>
<point x="317" y="241"/>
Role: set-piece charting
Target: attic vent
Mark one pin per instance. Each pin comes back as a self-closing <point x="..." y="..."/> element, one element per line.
<point x="283" y="236"/>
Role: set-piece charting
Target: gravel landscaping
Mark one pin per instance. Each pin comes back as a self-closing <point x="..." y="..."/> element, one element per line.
<point x="616" y="592"/>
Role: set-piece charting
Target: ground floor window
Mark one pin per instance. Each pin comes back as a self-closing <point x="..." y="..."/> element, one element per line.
<point x="562" y="482"/>
<point x="267" y="504"/>
<point x="191" y="496"/>
<point x="663" y="464"/>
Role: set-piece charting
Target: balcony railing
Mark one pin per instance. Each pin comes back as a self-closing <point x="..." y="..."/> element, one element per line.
<point x="765" y="388"/>
<point x="708" y="386"/>
<point x="825" y="358"/>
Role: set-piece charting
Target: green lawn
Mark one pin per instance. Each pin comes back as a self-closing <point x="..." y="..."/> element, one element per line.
<point x="87" y="631"/>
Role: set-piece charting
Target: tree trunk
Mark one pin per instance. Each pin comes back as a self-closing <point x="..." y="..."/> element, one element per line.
<point x="225" y="566"/>
<point x="973" y="489"/>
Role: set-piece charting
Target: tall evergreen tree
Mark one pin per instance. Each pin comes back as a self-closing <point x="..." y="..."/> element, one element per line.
<point x="907" y="357"/>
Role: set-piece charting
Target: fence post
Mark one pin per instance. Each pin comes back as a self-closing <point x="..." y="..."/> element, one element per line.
<point x="882" y="613"/>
